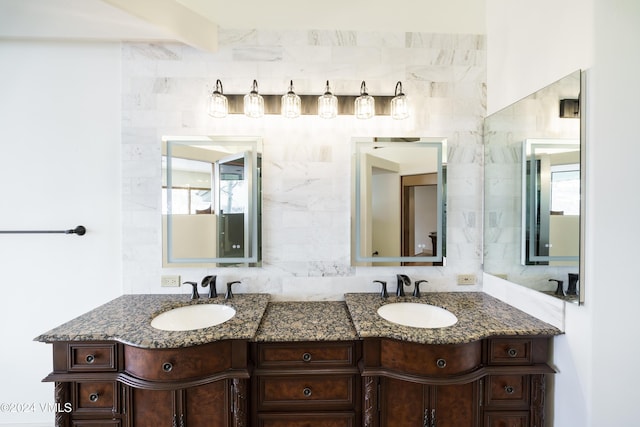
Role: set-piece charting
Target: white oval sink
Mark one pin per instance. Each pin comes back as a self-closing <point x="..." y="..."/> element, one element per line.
<point x="192" y="317"/>
<point x="417" y="315"/>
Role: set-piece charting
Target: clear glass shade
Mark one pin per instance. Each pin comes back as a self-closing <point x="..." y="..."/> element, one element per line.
<point x="365" y="105"/>
<point x="327" y="104"/>
<point x="254" y="103"/>
<point x="399" y="107"/>
<point x="218" y="104"/>
<point x="291" y="105"/>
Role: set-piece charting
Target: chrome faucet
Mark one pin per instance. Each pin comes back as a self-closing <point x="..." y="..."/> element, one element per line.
<point x="210" y="281"/>
<point x="403" y="280"/>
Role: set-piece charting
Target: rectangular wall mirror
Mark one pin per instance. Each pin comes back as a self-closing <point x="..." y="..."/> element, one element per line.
<point x="211" y="204"/>
<point x="534" y="204"/>
<point x="399" y="200"/>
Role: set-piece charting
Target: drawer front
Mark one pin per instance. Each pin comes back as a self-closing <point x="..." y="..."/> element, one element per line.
<point x="430" y="359"/>
<point x="92" y="357"/>
<point x="306" y="355"/>
<point x="96" y="397"/>
<point x="345" y="419"/>
<point x="177" y="364"/>
<point x="294" y="393"/>
<point x="506" y="419"/>
<point x="508" y="390"/>
<point x="96" y="423"/>
<point x="510" y="351"/>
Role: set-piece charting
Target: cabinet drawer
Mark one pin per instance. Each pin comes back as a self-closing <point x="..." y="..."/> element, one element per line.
<point x="92" y="357"/>
<point x="506" y="419"/>
<point x="177" y="364"/>
<point x="306" y="355"/>
<point x="510" y="351"/>
<point x="96" y="397"/>
<point x="288" y="393"/>
<point x="343" y="419"/>
<point x="508" y="390"/>
<point x="430" y="359"/>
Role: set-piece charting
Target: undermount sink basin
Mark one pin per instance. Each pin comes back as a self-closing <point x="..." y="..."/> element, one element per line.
<point x="417" y="315"/>
<point x="192" y="317"/>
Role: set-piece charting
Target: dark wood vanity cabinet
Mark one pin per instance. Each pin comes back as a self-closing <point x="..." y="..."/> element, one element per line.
<point x="496" y="382"/>
<point x="100" y="384"/>
<point x="306" y="384"/>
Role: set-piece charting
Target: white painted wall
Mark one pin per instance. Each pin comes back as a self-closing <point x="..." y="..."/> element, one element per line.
<point x="59" y="167"/>
<point x="527" y="48"/>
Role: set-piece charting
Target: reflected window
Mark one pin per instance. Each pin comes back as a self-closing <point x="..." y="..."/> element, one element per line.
<point x="565" y="189"/>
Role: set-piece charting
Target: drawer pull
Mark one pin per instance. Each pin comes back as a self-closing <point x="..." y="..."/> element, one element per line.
<point x="167" y="366"/>
<point x="512" y="352"/>
<point x="90" y="358"/>
<point x="441" y="363"/>
<point x="306" y="357"/>
<point x="306" y="391"/>
<point x="509" y="389"/>
<point x="94" y="397"/>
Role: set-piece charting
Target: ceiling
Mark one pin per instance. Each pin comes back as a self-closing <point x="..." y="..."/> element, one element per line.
<point x="196" y="22"/>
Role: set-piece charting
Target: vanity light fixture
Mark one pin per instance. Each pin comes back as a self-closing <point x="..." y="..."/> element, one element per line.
<point x="218" y="104"/>
<point x="253" y="102"/>
<point x="399" y="104"/>
<point x="327" y="104"/>
<point x="290" y="106"/>
<point x="365" y="105"/>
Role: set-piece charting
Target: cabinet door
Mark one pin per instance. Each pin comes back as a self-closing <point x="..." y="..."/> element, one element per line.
<point x="453" y="405"/>
<point x="206" y="405"/>
<point x="153" y="408"/>
<point x="402" y="403"/>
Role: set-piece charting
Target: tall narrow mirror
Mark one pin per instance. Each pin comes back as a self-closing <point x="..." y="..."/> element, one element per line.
<point x="211" y="201"/>
<point x="399" y="201"/>
<point x="534" y="190"/>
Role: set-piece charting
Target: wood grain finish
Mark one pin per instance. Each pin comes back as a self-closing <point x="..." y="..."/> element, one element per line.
<point x="307" y="420"/>
<point x="84" y="357"/>
<point x="306" y="355"/>
<point x="177" y="364"/>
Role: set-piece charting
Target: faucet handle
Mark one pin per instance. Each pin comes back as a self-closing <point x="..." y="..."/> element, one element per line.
<point x="416" y="289"/>
<point x="383" y="290"/>
<point x="560" y="288"/>
<point x="229" y="294"/>
<point x="194" y="290"/>
<point x="211" y="282"/>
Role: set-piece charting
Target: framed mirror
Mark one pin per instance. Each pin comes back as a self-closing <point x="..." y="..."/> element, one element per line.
<point x="399" y="200"/>
<point x="211" y="203"/>
<point x="534" y="204"/>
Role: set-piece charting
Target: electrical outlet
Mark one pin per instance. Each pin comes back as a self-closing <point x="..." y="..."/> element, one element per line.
<point x="466" y="279"/>
<point x="170" y="281"/>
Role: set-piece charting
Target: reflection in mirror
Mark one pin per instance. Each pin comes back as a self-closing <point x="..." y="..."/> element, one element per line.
<point x="534" y="190"/>
<point x="551" y="206"/>
<point x="211" y="201"/>
<point x="399" y="201"/>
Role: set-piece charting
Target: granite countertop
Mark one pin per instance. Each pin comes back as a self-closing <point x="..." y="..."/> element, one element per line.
<point x="127" y="319"/>
<point x="306" y="321"/>
<point x="479" y="316"/>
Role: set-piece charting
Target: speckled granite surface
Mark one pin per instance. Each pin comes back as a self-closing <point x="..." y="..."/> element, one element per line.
<point x="306" y="321"/>
<point x="479" y="316"/>
<point x="127" y="319"/>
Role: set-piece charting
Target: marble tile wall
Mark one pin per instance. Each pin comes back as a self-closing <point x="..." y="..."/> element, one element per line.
<point x="306" y="161"/>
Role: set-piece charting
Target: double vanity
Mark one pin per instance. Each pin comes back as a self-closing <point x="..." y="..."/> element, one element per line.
<point x="301" y="364"/>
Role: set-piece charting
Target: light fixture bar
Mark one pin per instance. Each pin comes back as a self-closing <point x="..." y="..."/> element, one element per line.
<point x="309" y="104"/>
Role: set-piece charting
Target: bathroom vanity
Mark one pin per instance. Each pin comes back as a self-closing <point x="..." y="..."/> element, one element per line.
<point x="301" y="364"/>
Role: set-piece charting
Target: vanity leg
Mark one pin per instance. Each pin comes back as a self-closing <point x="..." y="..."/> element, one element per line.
<point x="370" y="409"/>
<point x="239" y="402"/>
<point x="61" y="399"/>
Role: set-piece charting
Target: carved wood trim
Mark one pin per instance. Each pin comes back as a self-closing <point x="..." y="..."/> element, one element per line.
<point x="538" y="387"/>
<point x="239" y="402"/>
<point x="370" y="409"/>
<point x="61" y="395"/>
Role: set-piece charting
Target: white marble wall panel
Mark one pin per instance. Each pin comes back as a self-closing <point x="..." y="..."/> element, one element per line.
<point x="307" y="161"/>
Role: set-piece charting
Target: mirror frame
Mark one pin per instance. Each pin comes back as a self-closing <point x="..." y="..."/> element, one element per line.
<point x="440" y="144"/>
<point x="252" y="238"/>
